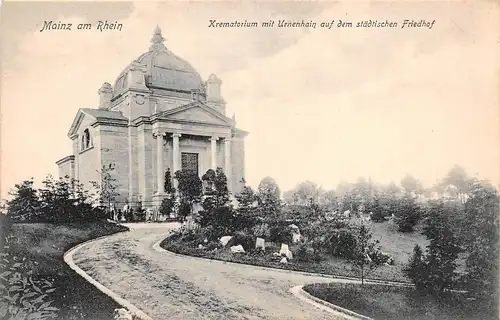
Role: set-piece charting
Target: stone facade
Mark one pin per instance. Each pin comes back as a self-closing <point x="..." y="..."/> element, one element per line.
<point x="158" y="113"/>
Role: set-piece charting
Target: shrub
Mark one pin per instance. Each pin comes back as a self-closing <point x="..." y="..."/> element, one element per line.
<point x="21" y="297"/>
<point x="166" y="206"/>
<point x="409" y="214"/>
<point x="281" y="234"/>
<point x="246" y="240"/>
<point x="262" y="231"/>
<point x="305" y="252"/>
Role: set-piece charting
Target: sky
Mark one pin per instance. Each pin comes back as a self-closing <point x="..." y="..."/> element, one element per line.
<point x="325" y="105"/>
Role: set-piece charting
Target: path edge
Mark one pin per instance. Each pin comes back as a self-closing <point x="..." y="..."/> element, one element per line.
<point x="300" y="293"/>
<point x="68" y="258"/>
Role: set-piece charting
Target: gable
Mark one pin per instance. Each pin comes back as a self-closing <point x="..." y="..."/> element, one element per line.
<point x="88" y="116"/>
<point x="197" y="113"/>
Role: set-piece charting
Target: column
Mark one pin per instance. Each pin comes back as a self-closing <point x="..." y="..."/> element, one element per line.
<point x="227" y="161"/>
<point x="213" y="141"/>
<point x="160" y="172"/>
<point x="176" y="150"/>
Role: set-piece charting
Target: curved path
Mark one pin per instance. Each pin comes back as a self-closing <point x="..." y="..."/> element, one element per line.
<point x="168" y="286"/>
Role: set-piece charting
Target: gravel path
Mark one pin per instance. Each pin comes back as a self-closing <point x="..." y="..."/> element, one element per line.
<point x="167" y="286"/>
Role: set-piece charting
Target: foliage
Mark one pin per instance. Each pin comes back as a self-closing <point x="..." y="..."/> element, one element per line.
<point x="408" y="215"/>
<point x="362" y="250"/>
<point x="269" y="196"/>
<point x="62" y="200"/>
<point x="306" y="252"/>
<point x="190" y="188"/>
<point x="168" y="182"/>
<point x="167" y="205"/>
<point x="25" y="204"/>
<point x="21" y="297"/>
<point x="107" y="187"/>
<point x="378" y="214"/>
<point x="416" y="268"/>
<point x="262" y="230"/>
<point x="246" y="199"/>
<point x="411" y="185"/>
<point x="435" y="272"/>
<point x="480" y="230"/>
<point x="246" y="240"/>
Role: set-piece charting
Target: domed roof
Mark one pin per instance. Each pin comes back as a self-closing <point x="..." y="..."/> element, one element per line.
<point x="164" y="70"/>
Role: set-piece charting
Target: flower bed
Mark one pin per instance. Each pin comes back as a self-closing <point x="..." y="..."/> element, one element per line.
<point x="332" y="265"/>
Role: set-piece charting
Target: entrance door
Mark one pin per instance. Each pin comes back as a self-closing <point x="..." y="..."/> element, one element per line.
<point x="190" y="162"/>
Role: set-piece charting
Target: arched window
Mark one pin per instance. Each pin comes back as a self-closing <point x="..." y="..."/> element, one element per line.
<point x="86" y="139"/>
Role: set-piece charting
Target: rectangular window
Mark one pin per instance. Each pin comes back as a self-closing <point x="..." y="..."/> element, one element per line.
<point x="190" y="162"/>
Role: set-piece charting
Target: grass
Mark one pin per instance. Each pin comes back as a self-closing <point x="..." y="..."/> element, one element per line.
<point x="44" y="245"/>
<point x="397" y="303"/>
<point x="398" y="245"/>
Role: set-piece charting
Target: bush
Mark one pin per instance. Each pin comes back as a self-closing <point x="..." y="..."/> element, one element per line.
<point x="262" y="231"/>
<point x="281" y="234"/>
<point x="62" y="200"/>
<point x="246" y="240"/>
<point x="305" y="252"/>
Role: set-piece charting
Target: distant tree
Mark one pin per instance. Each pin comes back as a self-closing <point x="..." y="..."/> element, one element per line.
<point x="457" y="182"/>
<point x="289" y="197"/>
<point x="307" y="193"/>
<point x="107" y="186"/>
<point x="411" y="185"/>
<point x="408" y="215"/>
<point x="269" y="196"/>
<point x="330" y="199"/>
<point x="190" y="188"/>
<point x="378" y="214"/>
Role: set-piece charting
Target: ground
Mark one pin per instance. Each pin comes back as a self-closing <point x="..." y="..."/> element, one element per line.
<point x="168" y="286"/>
<point x="45" y="244"/>
<point x="397" y="303"/>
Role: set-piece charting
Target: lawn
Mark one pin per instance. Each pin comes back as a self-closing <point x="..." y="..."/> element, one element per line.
<point x="398" y="245"/>
<point x="44" y="245"/>
<point x="390" y="303"/>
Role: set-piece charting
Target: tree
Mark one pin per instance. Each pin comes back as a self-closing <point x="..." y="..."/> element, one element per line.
<point x="269" y="196"/>
<point x="246" y="199"/>
<point x="416" y="268"/>
<point x="363" y="248"/>
<point x="437" y="273"/>
<point x="480" y="229"/>
<point x="411" y="185"/>
<point x="457" y="183"/>
<point x="107" y="187"/>
<point x="25" y="203"/>
<point x="378" y="214"/>
<point x="307" y="193"/>
<point x="408" y="215"/>
<point x="190" y="188"/>
<point x="168" y="182"/>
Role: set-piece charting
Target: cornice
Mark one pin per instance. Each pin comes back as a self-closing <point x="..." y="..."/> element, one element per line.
<point x="65" y="159"/>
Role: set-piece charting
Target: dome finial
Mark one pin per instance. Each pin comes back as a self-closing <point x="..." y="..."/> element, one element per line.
<point x="157" y="40"/>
